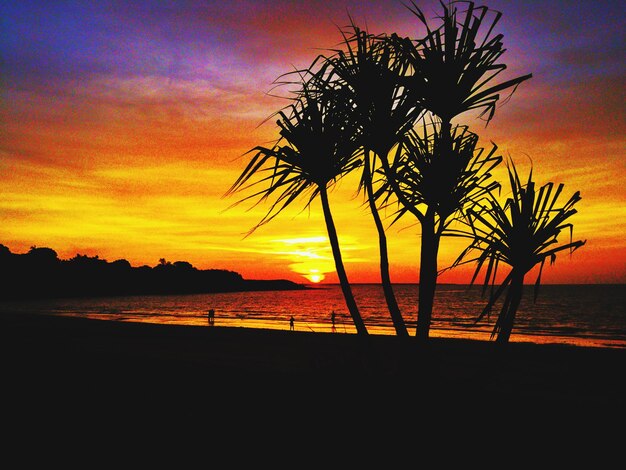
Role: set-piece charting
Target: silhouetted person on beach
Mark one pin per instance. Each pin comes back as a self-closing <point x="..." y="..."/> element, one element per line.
<point x="291" y="320"/>
<point x="211" y="317"/>
<point x="332" y="318"/>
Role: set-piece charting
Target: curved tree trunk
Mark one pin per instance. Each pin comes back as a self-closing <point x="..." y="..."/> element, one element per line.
<point x="341" y="272"/>
<point x="428" y="276"/>
<point x="392" y="303"/>
<point x="507" y="316"/>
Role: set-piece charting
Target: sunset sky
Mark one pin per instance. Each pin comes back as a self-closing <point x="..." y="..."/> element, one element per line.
<point x="124" y="123"/>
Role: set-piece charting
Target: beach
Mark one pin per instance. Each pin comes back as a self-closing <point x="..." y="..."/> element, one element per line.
<point x="83" y="389"/>
<point x="62" y="352"/>
<point x="86" y="376"/>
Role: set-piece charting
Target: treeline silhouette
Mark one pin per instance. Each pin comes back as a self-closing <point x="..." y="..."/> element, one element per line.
<point x="41" y="274"/>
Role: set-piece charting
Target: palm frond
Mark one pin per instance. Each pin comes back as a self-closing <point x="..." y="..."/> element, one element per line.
<point x="446" y="182"/>
<point x="456" y="65"/>
<point x="317" y="145"/>
<point x="523" y="232"/>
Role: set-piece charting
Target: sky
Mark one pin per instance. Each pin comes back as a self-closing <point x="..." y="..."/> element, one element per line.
<point x="123" y="124"/>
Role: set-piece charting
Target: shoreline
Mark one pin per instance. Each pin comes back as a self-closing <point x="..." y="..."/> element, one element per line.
<point x="436" y="333"/>
<point x="179" y="371"/>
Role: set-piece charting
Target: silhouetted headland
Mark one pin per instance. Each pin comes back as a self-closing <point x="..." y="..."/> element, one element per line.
<point x="41" y="274"/>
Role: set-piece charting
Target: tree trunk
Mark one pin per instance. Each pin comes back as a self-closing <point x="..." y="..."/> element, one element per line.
<point x="428" y="276"/>
<point x="507" y="318"/>
<point x="430" y="247"/>
<point x="341" y="272"/>
<point x="446" y="138"/>
<point x="392" y="304"/>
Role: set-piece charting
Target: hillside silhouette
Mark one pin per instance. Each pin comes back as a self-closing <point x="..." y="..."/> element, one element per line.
<point x="41" y="274"/>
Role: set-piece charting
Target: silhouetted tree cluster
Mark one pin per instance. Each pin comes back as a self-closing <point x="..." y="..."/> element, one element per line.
<point x="384" y="106"/>
<point x="41" y="274"/>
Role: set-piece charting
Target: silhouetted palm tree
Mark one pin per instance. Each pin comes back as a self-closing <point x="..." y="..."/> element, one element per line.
<point x="434" y="186"/>
<point x="370" y="68"/>
<point x="522" y="233"/>
<point x="454" y="69"/>
<point x="318" y="144"/>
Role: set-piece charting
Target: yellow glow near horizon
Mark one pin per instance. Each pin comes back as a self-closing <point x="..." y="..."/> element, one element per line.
<point x="315" y="276"/>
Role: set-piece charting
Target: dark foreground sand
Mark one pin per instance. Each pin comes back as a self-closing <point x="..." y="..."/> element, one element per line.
<point x="81" y="372"/>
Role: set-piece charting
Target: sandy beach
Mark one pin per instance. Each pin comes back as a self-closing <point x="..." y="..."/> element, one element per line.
<point x="85" y="389"/>
<point x="57" y="354"/>
<point x="94" y="372"/>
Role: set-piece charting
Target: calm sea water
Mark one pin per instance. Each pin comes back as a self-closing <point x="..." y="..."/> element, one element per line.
<point x="586" y="315"/>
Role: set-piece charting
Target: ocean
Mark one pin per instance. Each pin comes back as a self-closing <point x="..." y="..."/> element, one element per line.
<point x="584" y="315"/>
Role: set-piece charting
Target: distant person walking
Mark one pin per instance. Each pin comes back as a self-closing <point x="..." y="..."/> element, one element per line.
<point x="211" y="317"/>
<point x="332" y="319"/>
<point x="291" y="325"/>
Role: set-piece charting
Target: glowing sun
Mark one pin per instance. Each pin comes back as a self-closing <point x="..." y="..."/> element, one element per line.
<point x="315" y="276"/>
